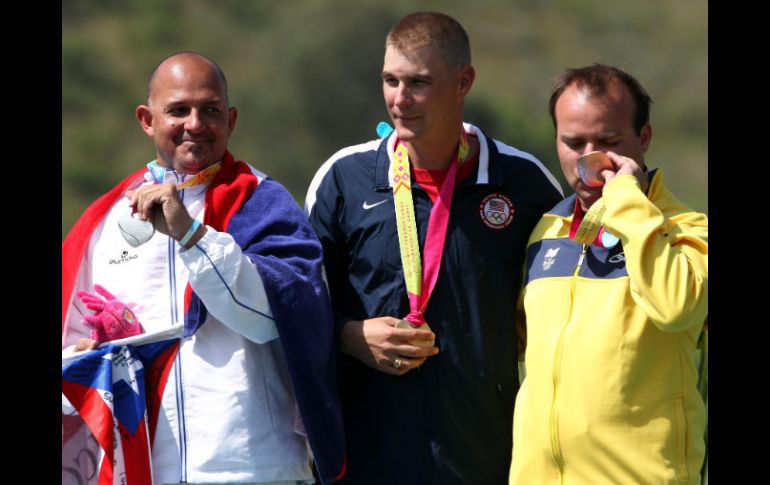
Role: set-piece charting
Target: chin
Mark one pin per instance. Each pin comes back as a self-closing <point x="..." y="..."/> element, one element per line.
<point x="590" y="199"/>
<point x="192" y="166"/>
<point x="405" y="134"/>
<point x="411" y="127"/>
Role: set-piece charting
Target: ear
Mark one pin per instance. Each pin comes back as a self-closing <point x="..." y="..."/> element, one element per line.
<point x="645" y="136"/>
<point x="232" y="116"/>
<point x="144" y="115"/>
<point x="467" y="75"/>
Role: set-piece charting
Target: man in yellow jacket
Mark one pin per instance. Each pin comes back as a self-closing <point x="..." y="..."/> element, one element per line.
<point x="615" y="296"/>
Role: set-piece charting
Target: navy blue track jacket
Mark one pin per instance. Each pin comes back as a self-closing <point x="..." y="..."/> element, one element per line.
<point x="450" y="420"/>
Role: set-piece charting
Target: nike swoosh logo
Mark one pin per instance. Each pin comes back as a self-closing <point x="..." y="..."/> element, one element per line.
<point x="369" y="206"/>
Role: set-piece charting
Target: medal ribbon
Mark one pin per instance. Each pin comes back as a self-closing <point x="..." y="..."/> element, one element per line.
<point x="591" y="223"/>
<point x="591" y="226"/>
<point x="416" y="279"/>
<point x="202" y="177"/>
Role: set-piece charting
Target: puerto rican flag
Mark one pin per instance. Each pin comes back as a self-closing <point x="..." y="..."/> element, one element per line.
<point x="116" y="392"/>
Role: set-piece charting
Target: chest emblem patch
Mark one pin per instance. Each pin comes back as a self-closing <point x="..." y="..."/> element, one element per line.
<point x="496" y="210"/>
<point x="550" y="258"/>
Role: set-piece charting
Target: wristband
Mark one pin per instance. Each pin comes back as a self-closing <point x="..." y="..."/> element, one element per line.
<point x="189" y="234"/>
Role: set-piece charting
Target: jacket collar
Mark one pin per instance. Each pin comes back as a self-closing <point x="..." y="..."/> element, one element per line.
<point x="484" y="173"/>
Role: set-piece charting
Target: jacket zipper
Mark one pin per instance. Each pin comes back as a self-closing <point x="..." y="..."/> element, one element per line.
<point x="181" y="423"/>
<point x="555" y="446"/>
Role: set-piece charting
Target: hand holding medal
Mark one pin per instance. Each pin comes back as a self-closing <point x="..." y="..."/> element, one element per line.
<point x="138" y="226"/>
<point x="596" y="169"/>
<point x="420" y="343"/>
<point x="387" y="344"/>
<point x="590" y="167"/>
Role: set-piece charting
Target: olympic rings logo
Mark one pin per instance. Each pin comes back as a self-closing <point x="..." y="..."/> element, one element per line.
<point x="496" y="211"/>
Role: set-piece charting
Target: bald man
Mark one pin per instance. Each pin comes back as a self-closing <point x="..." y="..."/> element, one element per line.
<point x="234" y="262"/>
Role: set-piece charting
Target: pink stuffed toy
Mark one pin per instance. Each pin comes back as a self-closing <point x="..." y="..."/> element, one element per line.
<point x="113" y="319"/>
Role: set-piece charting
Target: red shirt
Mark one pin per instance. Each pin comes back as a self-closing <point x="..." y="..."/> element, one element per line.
<point x="431" y="180"/>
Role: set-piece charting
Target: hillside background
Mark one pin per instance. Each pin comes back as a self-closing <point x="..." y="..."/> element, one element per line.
<point x="304" y="75"/>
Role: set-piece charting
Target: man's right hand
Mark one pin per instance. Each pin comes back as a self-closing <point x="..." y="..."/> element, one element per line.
<point x="377" y="343"/>
<point x="161" y="204"/>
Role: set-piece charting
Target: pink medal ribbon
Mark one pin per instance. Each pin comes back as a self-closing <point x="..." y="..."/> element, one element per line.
<point x="419" y="282"/>
<point x="434" y="248"/>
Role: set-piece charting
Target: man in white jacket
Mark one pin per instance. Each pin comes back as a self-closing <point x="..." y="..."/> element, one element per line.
<point x="234" y="261"/>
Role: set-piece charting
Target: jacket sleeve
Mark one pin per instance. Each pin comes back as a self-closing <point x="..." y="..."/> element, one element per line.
<point x="666" y="251"/>
<point x="323" y="204"/>
<point x="230" y="286"/>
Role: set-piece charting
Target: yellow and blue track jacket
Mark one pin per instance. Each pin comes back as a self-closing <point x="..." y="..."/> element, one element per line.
<point x="610" y="395"/>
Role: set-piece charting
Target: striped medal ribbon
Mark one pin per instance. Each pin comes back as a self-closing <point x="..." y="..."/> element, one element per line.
<point x="205" y="175"/>
<point x="591" y="223"/>
<point x="591" y="226"/>
<point x="419" y="284"/>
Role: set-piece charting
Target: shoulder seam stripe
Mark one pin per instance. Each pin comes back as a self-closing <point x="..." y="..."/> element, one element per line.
<point x="319" y="176"/>
<point x="509" y="150"/>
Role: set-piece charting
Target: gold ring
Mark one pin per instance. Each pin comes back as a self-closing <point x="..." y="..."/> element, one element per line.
<point x="398" y="363"/>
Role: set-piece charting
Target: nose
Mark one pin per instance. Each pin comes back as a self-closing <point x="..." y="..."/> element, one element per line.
<point x="589" y="147"/>
<point x="403" y="95"/>
<point x="194" y="121"/>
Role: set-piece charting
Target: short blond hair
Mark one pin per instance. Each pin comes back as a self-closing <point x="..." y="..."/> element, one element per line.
<point x="434" y="29"/>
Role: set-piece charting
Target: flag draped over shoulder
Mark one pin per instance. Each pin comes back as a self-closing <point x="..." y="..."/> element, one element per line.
<point x="276" y="236"/>
<point x="111" y="399"/>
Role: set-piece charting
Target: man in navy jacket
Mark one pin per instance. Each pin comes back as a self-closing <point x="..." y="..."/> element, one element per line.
<point x="429" y="401"/>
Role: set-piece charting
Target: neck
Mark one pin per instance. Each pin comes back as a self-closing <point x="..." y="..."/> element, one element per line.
<point x="586" y="204"/>
<point x="432" y="157"/>
<point x="437" y="156"/>
<point x="186" y="169"/>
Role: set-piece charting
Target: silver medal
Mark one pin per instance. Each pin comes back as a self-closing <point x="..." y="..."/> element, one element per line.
<point x="135" y="231"/>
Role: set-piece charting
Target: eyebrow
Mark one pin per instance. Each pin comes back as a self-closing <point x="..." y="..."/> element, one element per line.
<point x="185" y="102"/>
<point x="602" y="136"/>
<point x="413" y="77"/>
<point x="610" y="134"/>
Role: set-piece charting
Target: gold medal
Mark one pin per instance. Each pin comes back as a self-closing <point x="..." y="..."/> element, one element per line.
<point x="419" y="343"/>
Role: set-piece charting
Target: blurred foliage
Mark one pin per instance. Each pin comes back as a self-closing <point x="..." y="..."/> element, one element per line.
<point x="305" y="77"/>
